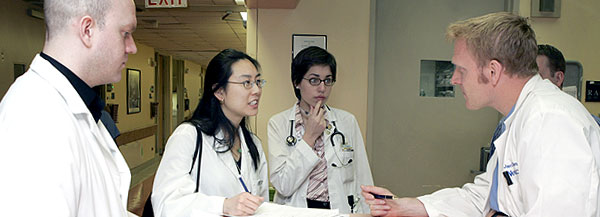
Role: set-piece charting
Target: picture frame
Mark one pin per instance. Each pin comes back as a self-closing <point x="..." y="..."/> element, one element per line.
<point x="134" y="95"/>
<point x="301" y="41"/>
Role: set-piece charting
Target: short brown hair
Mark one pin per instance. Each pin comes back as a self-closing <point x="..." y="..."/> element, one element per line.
<point x="502" y="36"/>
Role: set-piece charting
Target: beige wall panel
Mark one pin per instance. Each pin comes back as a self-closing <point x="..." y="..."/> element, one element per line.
<point x="347" y="29"/>
<point x="576" y="33"/>
<point x="421" y="144"/>
<point x="140" y="151"/>
<point x="21" y="38"/>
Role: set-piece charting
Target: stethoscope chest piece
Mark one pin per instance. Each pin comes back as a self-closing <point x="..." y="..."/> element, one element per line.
<point x="291" y="140"/>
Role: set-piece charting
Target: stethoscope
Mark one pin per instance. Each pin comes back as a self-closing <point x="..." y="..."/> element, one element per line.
<point x="291" y="140"/>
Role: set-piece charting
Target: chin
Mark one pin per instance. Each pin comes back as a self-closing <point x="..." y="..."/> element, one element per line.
<point x="472" y="107"/>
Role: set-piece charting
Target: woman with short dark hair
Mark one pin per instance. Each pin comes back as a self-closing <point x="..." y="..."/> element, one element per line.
<point x="316" y="152"/>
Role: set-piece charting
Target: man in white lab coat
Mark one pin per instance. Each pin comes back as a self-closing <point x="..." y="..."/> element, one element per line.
<point x="57" y="157"/>
<point x="544" y="157"/>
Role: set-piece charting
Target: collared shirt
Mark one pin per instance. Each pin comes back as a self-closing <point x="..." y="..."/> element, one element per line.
<point x="494" y="190"/>
<point x="87" y="94"/>
<point x="317" y="184"/>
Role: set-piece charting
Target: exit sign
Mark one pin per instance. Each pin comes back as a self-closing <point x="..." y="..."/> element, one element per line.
<point x="166" y="3"/>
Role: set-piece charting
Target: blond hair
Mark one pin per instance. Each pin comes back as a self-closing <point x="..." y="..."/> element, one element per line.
<point x="58" y="13"/>
<point x="502" y="36"/>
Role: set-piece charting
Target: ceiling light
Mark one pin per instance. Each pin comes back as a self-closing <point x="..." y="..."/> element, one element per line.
<point x="240" y="2"/>
<point x="244" y="15"/>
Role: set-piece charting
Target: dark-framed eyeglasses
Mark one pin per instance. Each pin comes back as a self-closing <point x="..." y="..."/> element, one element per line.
<point x="249" y="84"/>
<point x="317" y="81"/>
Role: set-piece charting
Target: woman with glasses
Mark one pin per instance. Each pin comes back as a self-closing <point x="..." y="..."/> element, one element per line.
<point x="317" y="156"/>
<point x="222" y="170"/>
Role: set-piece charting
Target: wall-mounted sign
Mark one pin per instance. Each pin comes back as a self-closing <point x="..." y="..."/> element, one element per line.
<point x="301" y="41"/>
<point x="166" y="3"/>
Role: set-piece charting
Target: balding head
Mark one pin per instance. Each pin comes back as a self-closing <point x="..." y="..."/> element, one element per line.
<point x="59" y="13"/>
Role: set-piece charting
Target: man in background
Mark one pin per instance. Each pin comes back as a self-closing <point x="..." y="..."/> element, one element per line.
<point x="552" y="66"/>
<point x="57" y="157"/>
<point x="545" y="154"/>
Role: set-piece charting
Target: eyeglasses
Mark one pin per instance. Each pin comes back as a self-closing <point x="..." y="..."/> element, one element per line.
<point x="317" y="81"/>
<point x="249" y="84"/>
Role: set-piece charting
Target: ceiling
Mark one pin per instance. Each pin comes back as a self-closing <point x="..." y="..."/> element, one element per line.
<point x="198" y="32"/>
<point x="195" y="33"/>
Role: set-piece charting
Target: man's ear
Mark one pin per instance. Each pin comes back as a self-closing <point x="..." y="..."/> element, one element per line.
<point x="86" y="29"/>
<point x="559" y="77"/>
<point x="496" y="71"/>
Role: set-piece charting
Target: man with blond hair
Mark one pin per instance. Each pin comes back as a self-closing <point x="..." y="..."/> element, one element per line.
<point x="57" y="157"/>
<point x="544" y="155"/>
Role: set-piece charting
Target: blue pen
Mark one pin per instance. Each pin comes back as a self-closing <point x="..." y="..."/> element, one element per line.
<point x="378" y="196"/>
<point x="244" y="185"/>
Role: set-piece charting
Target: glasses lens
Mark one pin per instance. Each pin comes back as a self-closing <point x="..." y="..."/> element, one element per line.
<point x="328" y="81"/>
<point x="314" y="81"/>
<point x="247" y="84"/>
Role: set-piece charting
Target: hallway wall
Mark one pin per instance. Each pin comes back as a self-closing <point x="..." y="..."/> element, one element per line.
<point x="269" y="39"/>
<point x="21" y="38"/>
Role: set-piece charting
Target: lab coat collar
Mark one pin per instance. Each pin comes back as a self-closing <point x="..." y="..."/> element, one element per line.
<point x="529" y="86"/>
<point x="71" y="98"/>
<point x="56" y="79"/>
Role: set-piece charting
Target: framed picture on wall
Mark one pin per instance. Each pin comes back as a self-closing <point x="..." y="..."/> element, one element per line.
<point x="134" y="96"/>
<point x="301" y="41"/>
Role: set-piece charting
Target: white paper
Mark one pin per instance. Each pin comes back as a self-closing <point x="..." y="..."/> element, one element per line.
<point x="275" y="210"/>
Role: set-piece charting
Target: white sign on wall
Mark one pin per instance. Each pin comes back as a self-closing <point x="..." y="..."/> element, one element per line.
<point x="166" y="3"/>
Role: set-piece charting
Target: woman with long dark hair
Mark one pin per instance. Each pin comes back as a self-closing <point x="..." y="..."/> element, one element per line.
<point x="222" y="170"/>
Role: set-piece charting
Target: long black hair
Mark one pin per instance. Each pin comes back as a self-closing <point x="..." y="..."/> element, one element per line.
<point x="209" y="114"/>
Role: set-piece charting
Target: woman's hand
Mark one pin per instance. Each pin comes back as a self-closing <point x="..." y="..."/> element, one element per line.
<point x="242" y="204"/>
<point x="314" y="124"/>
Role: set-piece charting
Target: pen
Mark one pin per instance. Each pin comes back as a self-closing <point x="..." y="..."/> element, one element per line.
<point x="378" y="196"/>
<point x="244" y="185"/>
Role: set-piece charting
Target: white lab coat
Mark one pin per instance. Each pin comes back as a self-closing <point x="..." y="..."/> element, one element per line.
<point x="173" y="190"/>
<point x="55" y="159"/>
<point x="550" y="149"/>
<point x="290" y="166"/>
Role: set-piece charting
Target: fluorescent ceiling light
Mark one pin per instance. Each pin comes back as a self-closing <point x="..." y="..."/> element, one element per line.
<point x="240" y="2"/>
<point x="244" y="15"/>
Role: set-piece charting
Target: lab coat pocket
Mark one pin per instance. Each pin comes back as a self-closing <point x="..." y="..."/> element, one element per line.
<point x="512" y="191"/>
<point x="348" y="166"/>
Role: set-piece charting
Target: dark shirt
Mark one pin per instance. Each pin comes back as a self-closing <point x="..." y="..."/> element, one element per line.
<point x="93" y="102"/>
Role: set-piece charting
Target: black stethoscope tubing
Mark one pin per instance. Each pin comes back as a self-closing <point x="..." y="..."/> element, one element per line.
<point x="291" y="140"/>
